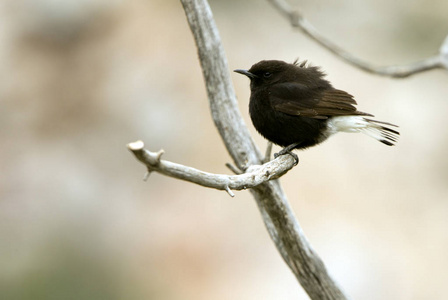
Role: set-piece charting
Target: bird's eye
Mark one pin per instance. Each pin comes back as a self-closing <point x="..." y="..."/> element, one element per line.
<point x="267" y="74"/>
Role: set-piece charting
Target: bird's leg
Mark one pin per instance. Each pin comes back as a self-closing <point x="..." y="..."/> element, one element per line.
<point x="287" y="150"/>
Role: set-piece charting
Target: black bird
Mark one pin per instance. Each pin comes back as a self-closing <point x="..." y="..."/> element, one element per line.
<point x="293" y="106"/>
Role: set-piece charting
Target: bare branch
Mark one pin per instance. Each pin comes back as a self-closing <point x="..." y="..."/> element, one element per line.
<point x="439" y="61"/>
<point x="255" y="175"/>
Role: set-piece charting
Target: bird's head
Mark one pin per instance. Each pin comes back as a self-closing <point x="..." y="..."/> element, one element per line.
<point x="268" y="72"/>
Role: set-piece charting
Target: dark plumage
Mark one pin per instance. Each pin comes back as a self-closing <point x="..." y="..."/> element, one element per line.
<point x="294" y="104"/>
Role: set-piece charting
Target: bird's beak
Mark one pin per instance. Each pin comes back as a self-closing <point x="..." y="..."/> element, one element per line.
<point x="246" y="72"/>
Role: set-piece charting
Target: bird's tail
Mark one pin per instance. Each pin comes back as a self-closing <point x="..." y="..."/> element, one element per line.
<point x="381" y="131"/>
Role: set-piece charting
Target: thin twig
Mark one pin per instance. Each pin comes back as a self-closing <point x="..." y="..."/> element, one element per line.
<point x="254" y="176"/>
<point x="267" y="155"/>
<point x="296" y="19"/>
<point x="234" y="169"/>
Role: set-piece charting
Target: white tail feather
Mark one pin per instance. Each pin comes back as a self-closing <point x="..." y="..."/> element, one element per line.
<point x="375" y="129"/>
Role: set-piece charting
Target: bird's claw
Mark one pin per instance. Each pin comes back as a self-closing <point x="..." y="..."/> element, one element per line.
<point x="287" y="151"/>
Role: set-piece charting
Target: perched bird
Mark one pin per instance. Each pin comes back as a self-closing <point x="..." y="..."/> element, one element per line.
<point x="294" y="106"/>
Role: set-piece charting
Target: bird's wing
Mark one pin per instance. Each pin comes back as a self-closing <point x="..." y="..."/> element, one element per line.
<point x="297" y="99"/>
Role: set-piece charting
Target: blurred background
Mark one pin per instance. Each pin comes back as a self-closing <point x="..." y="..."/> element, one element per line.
<point x="79" y="79"/>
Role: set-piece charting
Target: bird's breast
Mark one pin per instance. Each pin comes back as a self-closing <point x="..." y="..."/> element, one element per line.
<point x="281" y="128"/>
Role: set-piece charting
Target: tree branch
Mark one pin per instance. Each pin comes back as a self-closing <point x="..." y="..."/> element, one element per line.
<point x="439" y="61"/>
<point x="255" y="174"/>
